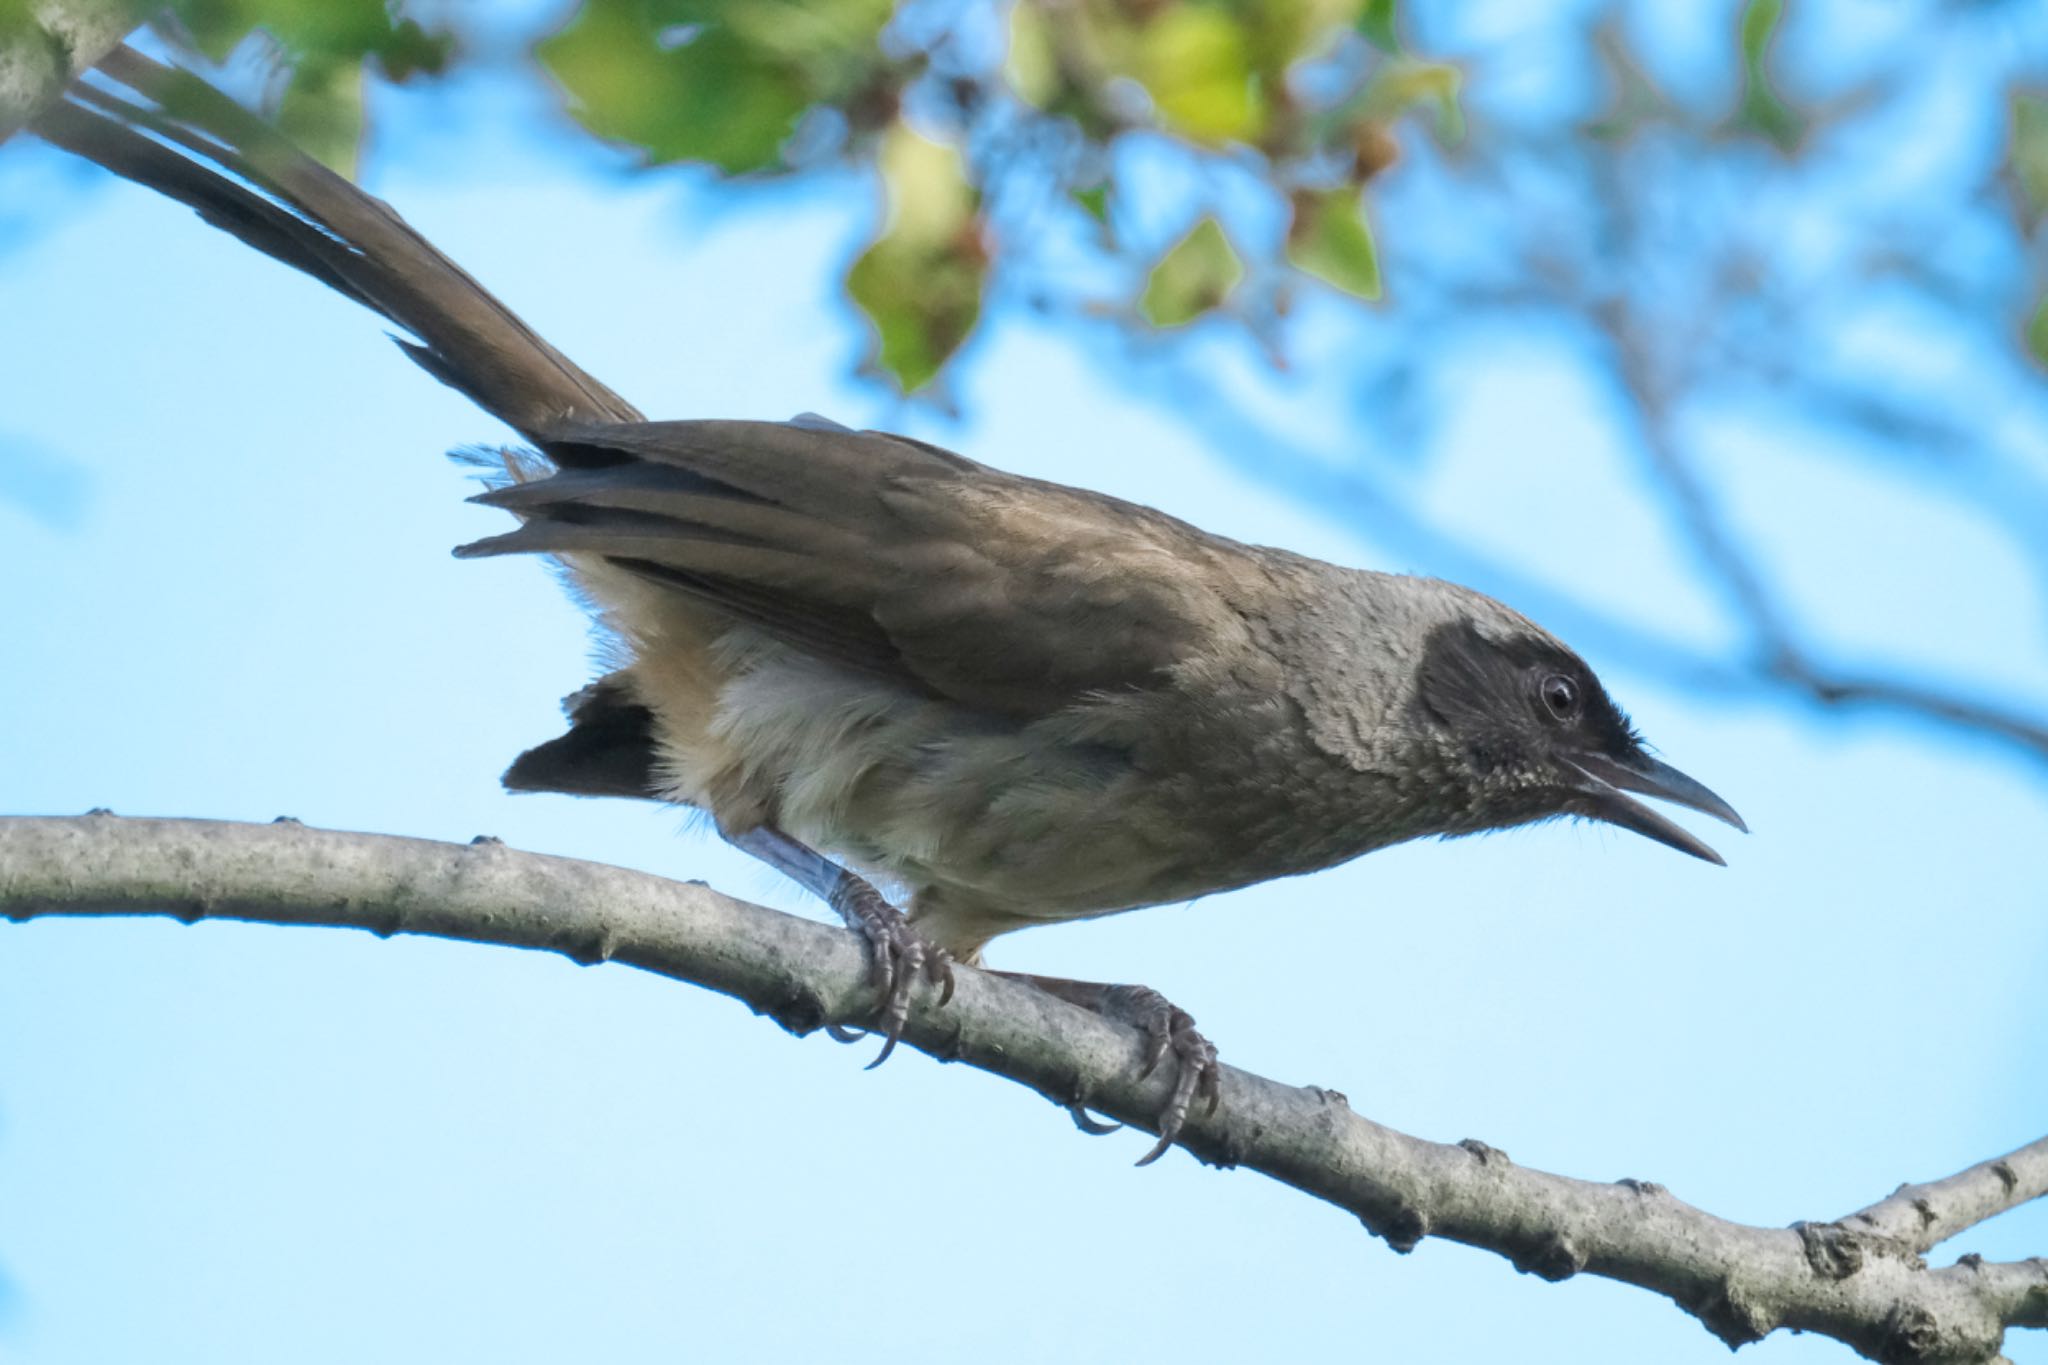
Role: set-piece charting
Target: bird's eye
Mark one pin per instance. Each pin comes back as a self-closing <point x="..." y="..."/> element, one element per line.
<point x="1561" y="695"/>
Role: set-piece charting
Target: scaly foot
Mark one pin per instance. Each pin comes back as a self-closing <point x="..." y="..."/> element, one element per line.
<point x="897" y="956"/>
<point x="897" y="953"/>
<point x="1167" y="1028"/>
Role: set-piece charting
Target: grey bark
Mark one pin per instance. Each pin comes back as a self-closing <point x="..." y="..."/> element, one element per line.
<point x="47" y="44"/>
<point x="1859" y="1279"/>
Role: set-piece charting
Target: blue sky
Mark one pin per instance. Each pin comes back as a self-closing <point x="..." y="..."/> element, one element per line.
<point x="224" y="527"/>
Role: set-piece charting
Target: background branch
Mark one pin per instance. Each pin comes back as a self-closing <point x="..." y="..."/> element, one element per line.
<point x="1742" y="1282"/>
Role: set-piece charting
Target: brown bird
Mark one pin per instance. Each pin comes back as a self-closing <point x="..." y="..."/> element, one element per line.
<point x="1018" y="701"/>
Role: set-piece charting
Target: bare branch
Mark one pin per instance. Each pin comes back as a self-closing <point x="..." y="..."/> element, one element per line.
<point x="2017" y="1291"/>
<point x="1924" y="1216"/>
<point x="1742" y="1282"/>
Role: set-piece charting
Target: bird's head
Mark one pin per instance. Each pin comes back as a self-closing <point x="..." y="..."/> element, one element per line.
<point x="1529" y="733"/>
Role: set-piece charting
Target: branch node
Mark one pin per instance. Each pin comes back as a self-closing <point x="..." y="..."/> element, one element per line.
<point x="952" y="1049"/>
<point x="1554" y="1258"/>
<point x="487" y="841"/>
<point x="1911" y="1335"/>
<point x="592" y="952"/>
<point x="1834" y="1252"/>
<point x="288" y="820"/>
<point x="1485" y="1155"/>
<point x="2006" y="1175"/>
<point x="1646" y="1188"/>
<point x="1069" y="1090"/>
<point x="799" y="1011"/>
<point x="1227" y="1152"/>
<point x="1733" y="1316"/>
<point x="1403" y="1229"/>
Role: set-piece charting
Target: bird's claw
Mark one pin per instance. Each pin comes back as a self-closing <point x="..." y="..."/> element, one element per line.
<point x="897" y="957"/>
<point x="1169" y="1028"/>
<point x="1089" y="1124"/>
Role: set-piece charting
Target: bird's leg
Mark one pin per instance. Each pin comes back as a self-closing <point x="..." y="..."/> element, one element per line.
<point x="897" y="954"/>
<point x="1166" y="1027"/>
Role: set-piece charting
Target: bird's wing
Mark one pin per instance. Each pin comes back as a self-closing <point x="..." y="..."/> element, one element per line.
<point x="888" y="554"/>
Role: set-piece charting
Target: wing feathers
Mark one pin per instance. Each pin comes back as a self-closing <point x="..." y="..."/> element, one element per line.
<point x="887" y="555"/>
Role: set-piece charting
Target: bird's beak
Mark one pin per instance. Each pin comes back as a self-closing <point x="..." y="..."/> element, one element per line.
<point x="1604" y="779"/>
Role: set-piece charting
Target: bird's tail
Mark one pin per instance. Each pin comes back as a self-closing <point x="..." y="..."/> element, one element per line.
<point x="168" y="129"/>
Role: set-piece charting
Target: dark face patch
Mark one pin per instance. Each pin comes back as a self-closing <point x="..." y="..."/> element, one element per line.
<point x="1514" y="707"/>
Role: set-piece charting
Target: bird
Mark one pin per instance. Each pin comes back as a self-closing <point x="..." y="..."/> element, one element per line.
<point x="872" y="660"/>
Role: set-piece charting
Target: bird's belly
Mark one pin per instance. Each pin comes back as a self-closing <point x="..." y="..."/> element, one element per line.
<point x="994" y="824"/>
<point x="1038" y="832"/>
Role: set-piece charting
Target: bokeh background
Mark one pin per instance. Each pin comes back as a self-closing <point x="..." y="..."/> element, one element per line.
<point x="1705" y="335"/>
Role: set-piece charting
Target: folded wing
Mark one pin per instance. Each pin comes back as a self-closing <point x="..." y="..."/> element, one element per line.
<point x="887" y="554"/>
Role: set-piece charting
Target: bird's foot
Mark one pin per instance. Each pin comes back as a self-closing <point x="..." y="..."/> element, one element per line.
<point x="1167" y="1029"/>
<point x="898" y="956"/>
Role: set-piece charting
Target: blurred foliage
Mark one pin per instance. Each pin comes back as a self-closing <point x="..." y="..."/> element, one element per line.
<point x="1328" y="238"/>
<point x="1192" y="278"/>
<point x="1042" y="94"/>
<point x="921" y="281"/>
<point x="718" y="81"/>
<point x="1760" y="109"/>
<point x="317" y="92"/>
<point x="1765" y="204"/>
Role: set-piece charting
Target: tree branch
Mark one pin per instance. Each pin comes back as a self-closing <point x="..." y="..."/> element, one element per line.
<point x="2017" y="1290"/>
<point x="1779" y="656"/>
<point x="53" y="44"/>
<point x="1924" y="1216"/>
<point x="1741" y="1281"/>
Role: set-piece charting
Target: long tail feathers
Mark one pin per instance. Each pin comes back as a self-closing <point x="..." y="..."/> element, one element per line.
<point x="181" y="137"/>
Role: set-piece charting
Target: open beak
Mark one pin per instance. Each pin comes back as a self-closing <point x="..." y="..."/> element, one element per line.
<point x="1605" y="780"/>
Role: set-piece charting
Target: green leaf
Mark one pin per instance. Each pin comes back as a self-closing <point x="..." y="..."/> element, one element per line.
<point x="815" y="36"/>
<point x="1194" y="61"/>
<point x="413" y="50"/>
<point x="215" y="26"/>
<point x="920" y="283"/>
<point x="337" y="29"/>
<point x="1283" y="32"/>
<point x="1094" y="201"/>
<point x="1192" y="278"/>
<point x="1330" y="239"/>
<point x="323" y="45"/>
<point x="2037" y="333"/>
<point x="1376" y="22"/>
<point x="722" y="81"/>
<point x="1032" y="64"/>
<point x="1761" y="110"/>
<point x="322" y="111"/>
<point x="2028" y="154"/>
<point x="1758" y="24"/>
